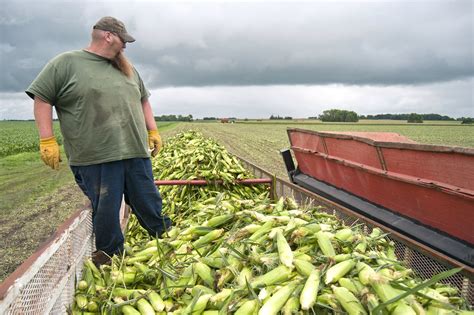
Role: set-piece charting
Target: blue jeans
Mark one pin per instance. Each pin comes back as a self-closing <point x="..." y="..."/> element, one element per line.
<point x="105" y="184"/>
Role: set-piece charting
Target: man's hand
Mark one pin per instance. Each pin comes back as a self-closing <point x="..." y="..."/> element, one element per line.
<point x="49" y="150"/>
<point x="154" y="142"/>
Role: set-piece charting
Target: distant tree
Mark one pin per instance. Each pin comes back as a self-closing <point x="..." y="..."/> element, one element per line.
<point x="339" y="115"/>
<point x="209" y="118"/>
<point x="436" y="117"/>
<point x="415" y="118"/>
<point x="313" y="117"/>
<point x="288" y="118"/>
<point x="467" y="120"/>
<point x="406" y="116"/>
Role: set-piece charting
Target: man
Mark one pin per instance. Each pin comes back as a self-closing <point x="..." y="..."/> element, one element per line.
<point x="107" y="125"/>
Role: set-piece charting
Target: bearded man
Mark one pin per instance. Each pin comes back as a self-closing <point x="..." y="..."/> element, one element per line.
<point x="108" y="129"/>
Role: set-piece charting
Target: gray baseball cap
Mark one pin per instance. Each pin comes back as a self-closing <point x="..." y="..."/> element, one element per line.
<point x="111" y="24"/>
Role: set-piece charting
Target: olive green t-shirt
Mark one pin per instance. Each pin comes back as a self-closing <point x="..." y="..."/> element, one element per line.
<point x="98" y="107"/>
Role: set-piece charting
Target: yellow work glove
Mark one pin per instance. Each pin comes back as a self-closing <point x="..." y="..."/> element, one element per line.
<point x="154" y="142"/>
<point x="49" y="150"/>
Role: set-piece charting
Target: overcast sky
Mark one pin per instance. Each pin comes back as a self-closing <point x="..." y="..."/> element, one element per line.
<point x="254" y="59"/>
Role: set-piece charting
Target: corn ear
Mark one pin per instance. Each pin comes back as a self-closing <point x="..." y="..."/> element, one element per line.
<point x="276" y="275"/>
<point x="129" y="310"/>
<point x="325" y="244"/>
<point x="338" y="271"/>
<point x="274" y="304"/>
<point x="310" y="290"/>
<point x="303" y="267"/>
<point x="156" y="301"/>
<point x="145" y="307"/>
<point x="284" y="250"/>
<point x="204" y="272"/>
<point x="248" y="307"/>
<point x="208" y="238"/>
<point x="348" y="301"/>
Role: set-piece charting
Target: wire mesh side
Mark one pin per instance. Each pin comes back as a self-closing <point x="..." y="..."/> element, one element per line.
<point x="423" y="265"/>
<point x="48" y="285"/>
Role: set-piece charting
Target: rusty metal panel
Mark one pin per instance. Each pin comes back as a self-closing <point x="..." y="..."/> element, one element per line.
<point x="448" y="212"/>
<point x="445" y="167"/>
<point x="430" y="184"/>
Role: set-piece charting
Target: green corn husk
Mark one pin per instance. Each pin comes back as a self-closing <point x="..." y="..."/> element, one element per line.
<point x="248" y="307"/>
<point x="348" y="301"/>
<point x="284" y="251"/>
<point x="277" y="275"/>
<point x="209" y="237"/>
<point x="310" y="290"/>
<point x="274" y="304"/>
<point x="325" y="244"/>
<point x="303" y="267"/>
<point x="129" y="310"/>
<point x="156" y="301"/>
<point x="145" y="307"/>
<point x="204" y="272"/>
<point x="338" y="271"/>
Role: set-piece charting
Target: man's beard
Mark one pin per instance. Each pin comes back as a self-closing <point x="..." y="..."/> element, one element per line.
<point x="121" y="63"/>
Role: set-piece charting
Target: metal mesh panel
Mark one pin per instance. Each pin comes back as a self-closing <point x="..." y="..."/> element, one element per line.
<point x="48" y="285"/>
<point x="422" y="264"/>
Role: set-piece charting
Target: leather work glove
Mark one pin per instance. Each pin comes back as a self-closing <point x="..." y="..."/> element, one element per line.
<point x="49" y="150"/>
<point x="154" y="142"/>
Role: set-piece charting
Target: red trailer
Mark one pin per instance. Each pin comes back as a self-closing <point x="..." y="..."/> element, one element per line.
<point x="424" y="191"/>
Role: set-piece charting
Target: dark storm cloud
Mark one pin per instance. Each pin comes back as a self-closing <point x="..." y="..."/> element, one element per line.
<point x="205" y="44"/>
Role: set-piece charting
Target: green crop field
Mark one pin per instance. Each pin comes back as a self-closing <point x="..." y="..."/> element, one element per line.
<point x="261" y="142"/>
<point x="34" y="199"/>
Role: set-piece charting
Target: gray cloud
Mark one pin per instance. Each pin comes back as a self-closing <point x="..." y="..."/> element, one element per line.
<point x="238" y="44"/>
<point x="454" y="98"/>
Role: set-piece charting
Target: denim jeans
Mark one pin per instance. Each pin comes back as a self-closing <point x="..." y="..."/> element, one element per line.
<point x="105" y="184"/>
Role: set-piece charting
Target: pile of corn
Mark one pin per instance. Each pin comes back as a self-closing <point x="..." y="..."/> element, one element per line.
<point x="234" y="251"/>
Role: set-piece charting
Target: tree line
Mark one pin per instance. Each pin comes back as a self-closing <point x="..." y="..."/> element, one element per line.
<point x="340" y="115"/>
<point x="174" y="118"/>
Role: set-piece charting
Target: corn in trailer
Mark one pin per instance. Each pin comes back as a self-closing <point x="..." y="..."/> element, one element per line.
<point x="44" y="283"/>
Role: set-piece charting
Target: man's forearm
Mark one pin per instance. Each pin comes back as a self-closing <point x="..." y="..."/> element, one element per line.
<point x="148" y="113"/>
<point x="43" y="112"/>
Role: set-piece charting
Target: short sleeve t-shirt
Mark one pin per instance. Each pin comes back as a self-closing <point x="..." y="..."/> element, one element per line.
<point x="99" y="108"/>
